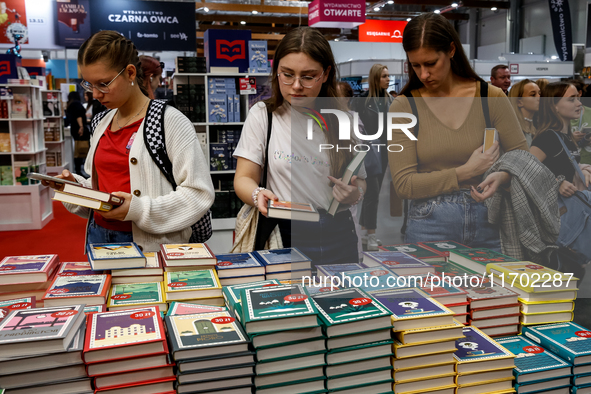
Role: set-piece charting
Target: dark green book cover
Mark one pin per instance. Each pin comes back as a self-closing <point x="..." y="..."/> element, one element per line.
<point x="346" y="306"/>
<point x="275" y="302"/>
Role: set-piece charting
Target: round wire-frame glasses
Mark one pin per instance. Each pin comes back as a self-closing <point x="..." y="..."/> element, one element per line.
<point x="306" y="81"/>
<point x="104" y="88"/>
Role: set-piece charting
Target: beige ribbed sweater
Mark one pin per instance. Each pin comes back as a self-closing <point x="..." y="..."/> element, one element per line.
<point x="160" y="215"/>
<point x="427" y="167"/>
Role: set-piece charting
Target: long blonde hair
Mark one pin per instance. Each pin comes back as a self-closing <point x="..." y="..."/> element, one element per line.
<point x="375" y="76"/>
<point x="547" y="118"/>
<point x="515" y="94"/>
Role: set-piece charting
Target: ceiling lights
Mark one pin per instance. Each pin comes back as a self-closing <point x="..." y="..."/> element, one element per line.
<point x="376" y="9"/>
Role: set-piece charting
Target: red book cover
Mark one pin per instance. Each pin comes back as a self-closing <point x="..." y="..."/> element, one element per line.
<point x="138" y="376"/>
<point x="496" y="321"/>
<point x="27" y="269"/>
<point x="79" y="288"/>
<point x="124" y="334"/>
<point x="495" y="311"/>
<point x="165" y="386"/>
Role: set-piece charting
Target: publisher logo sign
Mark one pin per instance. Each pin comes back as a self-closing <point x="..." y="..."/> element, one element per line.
<point x="5" y="69"/>
<point x="360" y="301"/>
<point x="142" y="315"/>
<point x="231" y="50"/>
<point x="296" y="298"/>
<point x="223" y="320"/>
<point x="59" y="314"/>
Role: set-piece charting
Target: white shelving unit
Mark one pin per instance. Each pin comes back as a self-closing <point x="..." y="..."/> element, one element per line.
<point x="223" y="228"/>
<point x="55" y="146"/>
<point x="24" y="207"/>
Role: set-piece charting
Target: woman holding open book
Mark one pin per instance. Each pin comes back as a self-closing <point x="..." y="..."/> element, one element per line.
<point x="441" y="172"/>
<point x="298" y="170"/>
<point x="121" y="163"/>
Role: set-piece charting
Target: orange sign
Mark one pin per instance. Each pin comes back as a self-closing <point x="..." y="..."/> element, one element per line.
<point x="374" y="30"/>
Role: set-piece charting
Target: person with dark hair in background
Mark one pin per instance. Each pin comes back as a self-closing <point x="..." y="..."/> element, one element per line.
<point x="525" y="98"/>
<point x="76" y="118"/>
<point x="92" y="105"/>
<point x="500" y="77"/>
<point x="441" y="172"/>
<point x="375" y="101"/>
<point x="121" y="163"/>
<point x="152" y="69"/>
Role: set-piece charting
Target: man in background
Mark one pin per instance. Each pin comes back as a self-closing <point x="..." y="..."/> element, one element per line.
<point x="500" y="77"/>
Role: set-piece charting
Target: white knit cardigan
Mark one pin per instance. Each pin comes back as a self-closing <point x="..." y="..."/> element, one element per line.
<point x="159" y="214"/>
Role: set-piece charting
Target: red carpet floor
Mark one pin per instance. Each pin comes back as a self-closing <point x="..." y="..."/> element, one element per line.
<point x="64" y="236"/>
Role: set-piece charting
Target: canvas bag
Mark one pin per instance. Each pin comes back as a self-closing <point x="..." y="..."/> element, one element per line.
<point x="575" y="217"/>
<point x="155" y="142"/>
<point x="247" y="220"/>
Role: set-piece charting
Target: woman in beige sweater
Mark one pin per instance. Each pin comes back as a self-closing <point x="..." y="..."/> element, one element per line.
<point x="441" y="172"/>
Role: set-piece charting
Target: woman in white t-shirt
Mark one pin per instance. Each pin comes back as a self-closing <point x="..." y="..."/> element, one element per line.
<point x="299" y="170"/>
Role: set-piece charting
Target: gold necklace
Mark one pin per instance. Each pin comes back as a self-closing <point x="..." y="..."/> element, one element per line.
<point x="117" y="118"/>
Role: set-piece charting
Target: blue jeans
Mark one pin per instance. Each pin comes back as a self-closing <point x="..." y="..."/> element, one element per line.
<point x="455" y="217"/>
<point x="98" y="234"/>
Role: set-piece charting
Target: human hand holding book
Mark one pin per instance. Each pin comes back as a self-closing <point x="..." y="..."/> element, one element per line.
<point x="120" y="212"/>
<point x="53" y="183"/>
<point x="343" y="193"/>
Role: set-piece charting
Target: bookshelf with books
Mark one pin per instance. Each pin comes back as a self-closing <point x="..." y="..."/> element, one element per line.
<point x="58" y="151"/>
<point x="212" y="101"/>
<point x="26" y="204"/>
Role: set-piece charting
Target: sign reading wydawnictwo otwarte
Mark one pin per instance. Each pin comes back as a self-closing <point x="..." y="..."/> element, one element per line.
<point x="151" y="25"/>
<point x="336" y="13"/>
<point x="562" y="29"/>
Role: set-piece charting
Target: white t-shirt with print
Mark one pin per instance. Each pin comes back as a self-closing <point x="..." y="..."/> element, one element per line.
<point x="297" y="172"/>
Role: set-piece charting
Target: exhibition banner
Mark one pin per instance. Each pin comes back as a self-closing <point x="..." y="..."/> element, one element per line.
<point x="332" y="13"/>
<point x="377" y="30"/>
<point x="73" y="27"/>
<point x="151" y="25"/>
<point x="562" y="29"/>
<point x="13" y="21"/>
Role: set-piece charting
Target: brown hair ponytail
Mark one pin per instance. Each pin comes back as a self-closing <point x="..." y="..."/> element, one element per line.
<point x="115" y="50"/>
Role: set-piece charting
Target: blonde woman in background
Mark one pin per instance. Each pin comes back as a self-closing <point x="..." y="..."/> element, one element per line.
<point x="542" y="82"/>
<point x="376" y="100"/>
<point x="525" y="99"/>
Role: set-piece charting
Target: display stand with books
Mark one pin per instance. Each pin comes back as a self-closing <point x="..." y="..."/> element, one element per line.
<point x="58" y="154"/>
<point x="25" y="205"/>
<point x="216" y="107"/>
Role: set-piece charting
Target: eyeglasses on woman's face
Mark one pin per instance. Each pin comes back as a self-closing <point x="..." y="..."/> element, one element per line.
<point x="306" y="81"/>
<point x="102" y="87"/>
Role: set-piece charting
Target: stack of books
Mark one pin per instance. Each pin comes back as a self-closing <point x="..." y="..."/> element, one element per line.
<point x="284" y="264"/>
<point x="494" y="309"/>
<point x="187" y="257"/>
<point x="425" y="333"/>
<point x="238" y="268"/>
<point x="280" y="314"/>
<point x="77" y="268"/>
<point x="232" y="294"/>
<point x="126" y="349"/>
<point x="199" y="287"/>
<point x="87" y="197"/>
<point x="41" y="351"/>
<point x="133" y="295"/>
<point x="373" y="279"/>
<point x="483" y="366"/>
<point x="546" y="296"/>
<point x="212" y="351"/>
<point x="417" y="251"/>
<point x="443" y="247"/>
<point x="27" y="276"/>
<point x="329" y="270"/>
<point x="453" y="298"/>
<point x="477" y="259"/>
<point x="115" y="256"/>
<point x="397" y="262"/>
<point x="152" y="272"/>
<point x="536" y="369"/>
<point x="79" y="289"/>
<point x="572" y="343"/>
<point x="358" y="331"/>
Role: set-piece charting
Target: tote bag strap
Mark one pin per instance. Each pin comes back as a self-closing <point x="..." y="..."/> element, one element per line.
<point x="572" y="160"/>
<point x="265" y="169"/>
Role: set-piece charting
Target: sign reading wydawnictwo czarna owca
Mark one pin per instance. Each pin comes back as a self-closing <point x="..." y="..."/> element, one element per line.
<point x="151" y="25"/>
